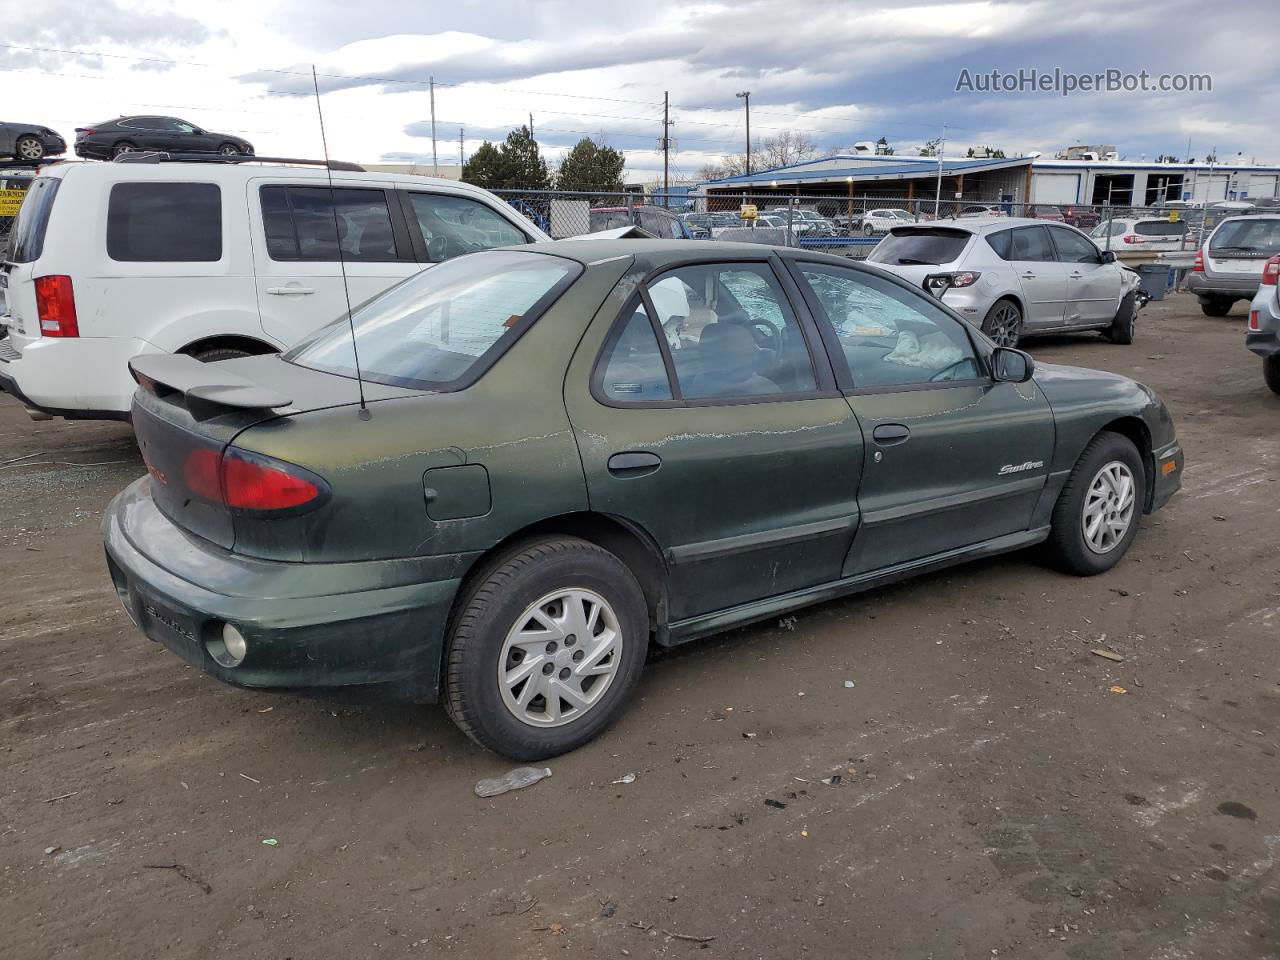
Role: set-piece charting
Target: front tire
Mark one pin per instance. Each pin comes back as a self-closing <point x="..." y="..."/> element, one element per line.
<point x="29" y="148"/>
<point x="229" y="150"/>
<point x="1216" y="306"/>
<point x="1003" y="323"/>
<point x="868" y="231"/>
<point x="1271" y="372"/>
<point x="545" y="647"/>
<point x="1125" y="323"/>
<point x="1096" y="516"/>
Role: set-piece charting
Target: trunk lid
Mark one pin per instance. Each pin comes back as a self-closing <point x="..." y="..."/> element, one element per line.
<point x="186" y="414"/>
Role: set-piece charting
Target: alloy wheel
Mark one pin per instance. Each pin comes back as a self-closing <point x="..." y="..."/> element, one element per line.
<point x="229" y="151"/>
<point x="1005" y="324"/>
<point x="30" y="149"/>
<point x="1109" y="507"/>
<point x="560" y="657"/>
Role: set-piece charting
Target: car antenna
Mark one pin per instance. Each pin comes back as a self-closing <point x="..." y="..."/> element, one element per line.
<point x="364" y="413"/>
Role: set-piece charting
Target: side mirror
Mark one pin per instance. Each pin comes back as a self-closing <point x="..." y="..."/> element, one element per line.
<point x="1011" y="366"/>
<point x="1108" y="256"/>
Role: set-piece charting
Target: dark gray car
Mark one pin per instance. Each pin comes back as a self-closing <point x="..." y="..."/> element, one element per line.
<point x="29" y="141"/>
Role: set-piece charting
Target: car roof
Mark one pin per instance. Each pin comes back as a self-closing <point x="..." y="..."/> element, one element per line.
<point x="977" y="224"/>
<point x="588" y="251"/>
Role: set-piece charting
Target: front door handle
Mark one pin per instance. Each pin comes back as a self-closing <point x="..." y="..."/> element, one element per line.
<point x="1028" y="275"/>
<point x="634" y="463"/>
<point x="1076" y="276"/>
<point x="890" y="433"/>
<point x="289" y="291"/>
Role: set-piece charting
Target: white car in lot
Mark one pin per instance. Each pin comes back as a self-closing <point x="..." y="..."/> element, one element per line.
<point x="1263" y="331"/>
<point x="1016" y="277"/>
<point x="1142" y="234"/>
<point x="884" y="219"/>
<point x="212" y="259"/>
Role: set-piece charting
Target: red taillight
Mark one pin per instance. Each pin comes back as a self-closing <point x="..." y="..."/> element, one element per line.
<point x="56" y="307"/>
<point x="1255" y="320"/>
<point x="1270" y="272"/>
<point x="966" y="278"/>
<point x="259" y="485"/>
<point x="249" y="481"/>
<point x="1198" y="266"/>
<point x="1131" y="238"/>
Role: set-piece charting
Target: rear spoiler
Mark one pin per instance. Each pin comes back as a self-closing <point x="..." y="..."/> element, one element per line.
<point x="206" y="389"/>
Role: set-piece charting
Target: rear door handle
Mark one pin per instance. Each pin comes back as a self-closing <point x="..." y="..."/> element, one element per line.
<point x="890" y="433"/>
<point x="1076" y="276"/>
<point x="1028" y="275"/>
<point x="289" y="291"/>
<point x="634" y="463"/>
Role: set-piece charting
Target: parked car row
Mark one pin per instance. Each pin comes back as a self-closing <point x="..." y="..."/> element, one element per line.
<point x="29" y="142"/>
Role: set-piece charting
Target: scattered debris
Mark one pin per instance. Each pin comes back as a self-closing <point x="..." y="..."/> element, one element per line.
<point x="508" y="906"/>
<point x="625" y="778"/>
<point x="1219" y="518"/>
<point x="555" y="929"/>
<point x="62" y="796"/>
<point x="833" y="780"/>
<point x="776" y="804"/>
<point x="50" y="851"/>
<point x="804" y="831"/>
<point x="748" y="736"/>
<point x="607" y="909"/>
<point x="271" y="842"/>
<point x="848" y="684"/>
<point x="787" y="623"/>
<point x="249" y="778"/>
<point x="1116" y="688"/>
<point x="181" y="871"/>
<point x="1119" y="592"/>
<point x="1107" y="655"/>
<point x="266" y="709"/>
<point x="1233" y="809"/>
<point x="687" y="936"/>
<point x="515" y="779"/>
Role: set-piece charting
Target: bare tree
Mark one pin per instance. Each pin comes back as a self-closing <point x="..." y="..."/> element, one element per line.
<point x="787" y="148"/>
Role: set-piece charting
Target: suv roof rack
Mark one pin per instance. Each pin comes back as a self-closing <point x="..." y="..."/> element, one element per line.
<point x="161" y="156"/>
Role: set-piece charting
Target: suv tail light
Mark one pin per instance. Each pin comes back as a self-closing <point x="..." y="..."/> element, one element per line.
<point x="1133" y="238"/>
<point x="1270" y="271"/>
<point x="1198" y="266"/>
<point x="56" y="306"/>
<point x="250" y="481"/>
<point x="1255" y="320"/>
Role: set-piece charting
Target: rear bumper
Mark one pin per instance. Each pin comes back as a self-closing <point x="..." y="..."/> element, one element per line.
<point x="84" y="378"/>
<point x="1208" y="286"/>
<point x="1265" y="342"/>
<point x="363" y="631"/>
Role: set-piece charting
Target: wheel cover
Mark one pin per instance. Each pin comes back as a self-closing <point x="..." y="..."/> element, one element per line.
<point x="1108" y="507"/>
<point x="560" y="657"/>
<point x="228" y="151"/>
<point x="30" y="149"/>
<point x="1005" y="323"/>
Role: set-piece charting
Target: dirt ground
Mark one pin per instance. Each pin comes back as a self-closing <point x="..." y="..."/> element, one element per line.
<point x="1003" y="791"/>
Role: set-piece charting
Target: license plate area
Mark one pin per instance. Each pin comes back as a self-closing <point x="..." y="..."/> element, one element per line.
<point x="164" y="623"/>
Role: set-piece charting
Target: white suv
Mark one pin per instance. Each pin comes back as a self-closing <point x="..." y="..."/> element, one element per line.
<point x="217" y="260"/>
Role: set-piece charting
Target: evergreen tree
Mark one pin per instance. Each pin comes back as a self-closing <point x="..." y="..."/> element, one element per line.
<point x="487" y="168"/>
<point x="526" y="168"/>
<point x="591" y="167"/>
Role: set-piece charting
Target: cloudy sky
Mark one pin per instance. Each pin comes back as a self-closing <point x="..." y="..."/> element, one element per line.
<point x="839" y="70"/>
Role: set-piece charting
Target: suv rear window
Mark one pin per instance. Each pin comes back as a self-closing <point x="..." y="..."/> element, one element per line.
<point x="1160" y="228"/>
<point x="153" y="222"/>
<point x="443" y="327"/>
<point x="1248" y="236"/>
<point x="931" y="245"/>
<point x="27" y="242"/>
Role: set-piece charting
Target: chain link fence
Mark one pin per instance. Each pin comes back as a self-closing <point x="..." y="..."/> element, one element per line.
<point x="853" y="224"/>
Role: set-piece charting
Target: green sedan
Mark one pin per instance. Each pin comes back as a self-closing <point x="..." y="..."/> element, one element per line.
<point x="553" y="456"/>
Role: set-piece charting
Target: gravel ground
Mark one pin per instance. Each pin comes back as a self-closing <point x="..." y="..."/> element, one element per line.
<point x="1003" y="791"/>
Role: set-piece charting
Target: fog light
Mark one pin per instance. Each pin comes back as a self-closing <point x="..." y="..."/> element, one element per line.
<point x="229" y="649"/>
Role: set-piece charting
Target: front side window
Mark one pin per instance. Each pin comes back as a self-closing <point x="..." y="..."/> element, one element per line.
<point x="1073" y="248"/>
<point x="632" y="367"/>
<point x="300" y="224"/>
<point x="164" y="222"/>
<point x="731" y="332"/>
<point x="890" y="336"/>
<point x="452" y="226"/>
<point x="442" y="327"/>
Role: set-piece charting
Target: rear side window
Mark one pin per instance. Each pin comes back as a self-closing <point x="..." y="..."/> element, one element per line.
<point x="164" y="223"/>
<point x="1032" y="243"/>
<point x="300" y="224"/>
<point x="930" y="245"/>
<point x="33" y="220"/>
<point x="632" y="370"/>
<point x="452" y="226"/>
<point x="1002" y="244"/>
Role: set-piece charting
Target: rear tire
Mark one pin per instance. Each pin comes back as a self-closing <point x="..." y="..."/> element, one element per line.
<point x="1091" y="493"/>
<point x="214" y="354"/>
<point x="29" y="148"/>
<point x="1003" y="323"/>
<point x="1216" y="306"/>
<point x="121" y="148"/>
<point x="1271" y="372"/>
<point x="537" y="591"/>
<point x="1126" y="320"/>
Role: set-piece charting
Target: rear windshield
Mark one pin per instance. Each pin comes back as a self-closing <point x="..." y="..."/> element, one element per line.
<point x="1248" y="236"/>
<point x="27" y="242"/>
<point x="442" y="328"/>
<point x="1159" y="228"/>
<point x="928" y="245"/>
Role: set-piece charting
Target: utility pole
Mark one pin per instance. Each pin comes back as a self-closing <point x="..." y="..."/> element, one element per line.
<point x="937" y="198"/>
<point x="435" y="162"/>
<point x="530" y="124"/>
<point x="745" y="96"/>
<point x="666" y="147"/>
<point x="462" y="160"/>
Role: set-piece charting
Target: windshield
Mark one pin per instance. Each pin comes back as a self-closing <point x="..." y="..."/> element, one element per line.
<point x="931" y="245"/>
<point x="444" y="326"/>
<point x="1250" y="236"/>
